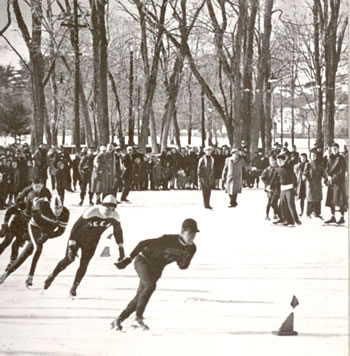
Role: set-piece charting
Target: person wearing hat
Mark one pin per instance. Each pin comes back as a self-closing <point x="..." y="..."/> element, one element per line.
<point x="206" y="175"/>
<point x="314" y="172"/>
<point x="336" y="193"/>
<point x="151" y="257"/>
<point x="85" y="235"/>
<point x="232" y="176"/>
<point x="127" y="173"/>
<point x="99" y="174"/>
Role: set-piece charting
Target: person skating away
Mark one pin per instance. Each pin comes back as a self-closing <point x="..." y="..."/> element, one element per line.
<point x="49" y="221"/>
<point x="284" y="174"/>
<point x="336" y="192"/>
<point x="232" y="176"/>
<point x="206" y="175"/>
<point x="85" y="235"/>
<point x="151" y="257"/>
<point x="314" y="172"/>
<point x="273" y="193"/>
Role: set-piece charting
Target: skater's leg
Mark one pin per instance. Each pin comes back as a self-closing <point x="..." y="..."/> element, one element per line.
<point x="87" y="252"/>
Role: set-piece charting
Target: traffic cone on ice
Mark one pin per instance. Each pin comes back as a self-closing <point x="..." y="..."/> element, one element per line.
<point x="107" y="251"/>
<point x="287" y="327"/>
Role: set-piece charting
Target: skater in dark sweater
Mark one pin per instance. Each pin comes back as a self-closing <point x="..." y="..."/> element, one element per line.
<point x="151" y="257"/>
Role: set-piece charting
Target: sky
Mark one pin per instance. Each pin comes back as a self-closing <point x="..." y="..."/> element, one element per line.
<point x="13" y="35"/>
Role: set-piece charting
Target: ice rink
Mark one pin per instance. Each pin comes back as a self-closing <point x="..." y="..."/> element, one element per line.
<point x="236" y="291"/>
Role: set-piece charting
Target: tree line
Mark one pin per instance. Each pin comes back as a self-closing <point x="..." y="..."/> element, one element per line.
<point x="126" y="68"/>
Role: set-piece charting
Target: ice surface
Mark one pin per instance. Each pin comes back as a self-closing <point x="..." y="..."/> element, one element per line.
<point x="237" y="290"/>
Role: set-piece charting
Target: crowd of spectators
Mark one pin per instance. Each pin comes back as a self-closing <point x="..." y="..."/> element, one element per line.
<point x="112" y="169"/>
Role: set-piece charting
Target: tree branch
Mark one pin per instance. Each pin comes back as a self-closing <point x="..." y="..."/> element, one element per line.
<point x="3" y="30"/>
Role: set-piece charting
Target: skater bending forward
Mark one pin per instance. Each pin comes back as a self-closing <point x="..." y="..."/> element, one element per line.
<point x="151" y="257"/>
<point x="85" y="235"/>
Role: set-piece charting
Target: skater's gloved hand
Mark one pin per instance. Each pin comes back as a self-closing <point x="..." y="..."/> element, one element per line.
<point x="122" y="264"/>
<point x="121" y="253"/>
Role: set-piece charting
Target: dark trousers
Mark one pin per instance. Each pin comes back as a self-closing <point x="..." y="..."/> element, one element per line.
<point x="313" y="206"/>
<point x="85" y="181"/>
<point x="36" y="244"/>
<point x="87" y="252"/>
<point x="18" y="231"/>
<point x="149" y="276"/>
<point x="288" y="210"/>
<point x="273" y="198"/>
<point x="126" y="189"/>
<point x="206" y="192"/>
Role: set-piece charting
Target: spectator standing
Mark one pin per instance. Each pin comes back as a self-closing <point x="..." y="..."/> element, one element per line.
<point x="206" y="175"/>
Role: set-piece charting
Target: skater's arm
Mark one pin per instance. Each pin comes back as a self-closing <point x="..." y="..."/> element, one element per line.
<point x="118" y="236"/>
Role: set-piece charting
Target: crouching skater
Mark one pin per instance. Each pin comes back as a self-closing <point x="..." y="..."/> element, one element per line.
<point x="151" y="257"/>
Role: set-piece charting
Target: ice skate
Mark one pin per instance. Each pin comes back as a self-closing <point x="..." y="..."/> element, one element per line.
<point x="117" y="324"/>
<point x="73" y="291"/>
<point x="3" y="277"/>
<point x="29" y="281"/>
<point x="48" y="281"/>
<point x="138" y="323"/>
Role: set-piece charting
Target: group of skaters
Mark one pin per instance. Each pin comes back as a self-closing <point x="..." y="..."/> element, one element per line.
<point x="39" y="216"/>
<point x="38" y="213"/>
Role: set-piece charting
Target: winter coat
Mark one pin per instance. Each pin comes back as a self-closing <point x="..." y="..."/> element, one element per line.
<point x="232" y="175"/>
<point x="301" y="184"/>
<point x="336" y="193"/>
<point x="206" y="172"/>
<point x="110" y="171"/>
<point x="313" y="174"/>
<point x="99" y="174"/>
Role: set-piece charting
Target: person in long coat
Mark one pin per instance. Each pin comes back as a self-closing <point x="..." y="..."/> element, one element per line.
<point x="232" y="176"/>
<point x="301" y="183"/>
<point x="110" y="170"/>
<point x="206" y="175"/>
<point x="313" y="173"/>
<point x="99" y="174"/>
<point x="336" y="193"/>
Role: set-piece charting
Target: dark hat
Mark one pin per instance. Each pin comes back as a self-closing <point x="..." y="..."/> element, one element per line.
<point x="190" y="224"/>
<point x="334" y="144"/>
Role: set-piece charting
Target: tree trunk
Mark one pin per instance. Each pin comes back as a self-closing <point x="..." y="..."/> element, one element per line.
<point x="131" y="120"/>
<point x="36" y="66"/>
<point x="176" y="130"/>
<point x="100" y="69"/>
<point x="155" y="148"/>
<point x="172" y="94"/>
<point x="246" y="112"/>
<point x="261" y="77"/>
<point x="267" y="144"/>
